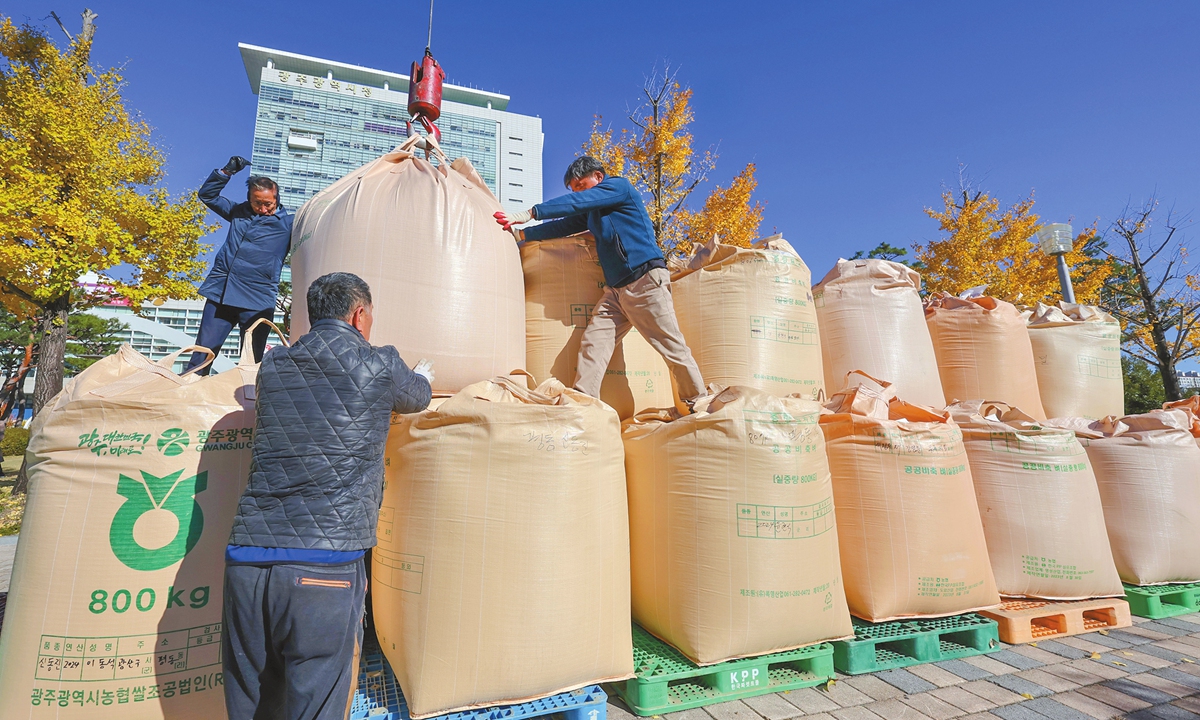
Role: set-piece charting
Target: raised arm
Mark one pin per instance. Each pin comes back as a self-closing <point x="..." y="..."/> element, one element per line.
<point x="558" y="228"/>
<point x="604" y="195"/>
<point x="210" y="194"/>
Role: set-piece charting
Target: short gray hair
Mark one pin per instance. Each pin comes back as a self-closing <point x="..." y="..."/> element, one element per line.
<point x="261" y="182"/>
<point x="581" y="167"/>
<point x="336" y="295"/>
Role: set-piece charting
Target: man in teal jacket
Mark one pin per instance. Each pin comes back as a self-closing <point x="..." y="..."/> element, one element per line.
<point x="639" y="286"/>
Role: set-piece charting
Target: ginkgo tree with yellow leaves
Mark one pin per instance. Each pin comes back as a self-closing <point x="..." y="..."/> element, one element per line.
<point x="659" y="158"/>
<point x="80" y="191"/>
<point x="985" y="244"/>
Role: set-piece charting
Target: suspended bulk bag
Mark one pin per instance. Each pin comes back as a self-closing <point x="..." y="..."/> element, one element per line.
<point x="445" y="278"/>
<point x="870" y="317"/>
<point x="1148" y="470"/>
<point x="502" y="570"/>
<point x="563" y="283"/>
<point x="1039" y="503"/>
<point x="911" y="539"/>
<point x="114" y="610"/>
<point x="983" y="351"/>
<point x="747" y="314"/>
<point x="732" y="528"/>
<point x="1077" y="355"/>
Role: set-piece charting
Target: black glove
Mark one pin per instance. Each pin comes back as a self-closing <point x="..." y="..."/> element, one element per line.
<point x="235" y="165"/>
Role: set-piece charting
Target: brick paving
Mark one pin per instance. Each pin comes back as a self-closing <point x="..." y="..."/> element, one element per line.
<point x="1150" y="671"/>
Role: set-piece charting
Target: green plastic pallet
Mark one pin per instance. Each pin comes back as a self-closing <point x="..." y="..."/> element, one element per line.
<point x="890" y="645"/>
<point x="666" y="681"/>
<point x="1163" y="601"/>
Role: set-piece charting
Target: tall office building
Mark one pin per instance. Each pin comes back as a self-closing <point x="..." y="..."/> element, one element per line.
<point x="320" y="119"/>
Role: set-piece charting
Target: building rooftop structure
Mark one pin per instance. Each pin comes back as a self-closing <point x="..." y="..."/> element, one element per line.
<point x="256" y="58"/>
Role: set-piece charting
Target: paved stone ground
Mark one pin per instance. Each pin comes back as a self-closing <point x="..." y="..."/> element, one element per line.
<point x="1150" y="671"/>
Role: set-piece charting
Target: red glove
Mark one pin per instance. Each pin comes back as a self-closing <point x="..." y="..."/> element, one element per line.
<point x="507" y="221"/>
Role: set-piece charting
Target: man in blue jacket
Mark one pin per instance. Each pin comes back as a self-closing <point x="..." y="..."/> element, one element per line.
<point x="244" y="280"/>
<point x="639" y="286"/>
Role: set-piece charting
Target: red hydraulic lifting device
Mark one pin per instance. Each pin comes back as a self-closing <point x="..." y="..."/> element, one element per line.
<point x="425" y="89"/>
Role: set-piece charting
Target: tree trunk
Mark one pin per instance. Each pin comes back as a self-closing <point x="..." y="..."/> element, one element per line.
<point x="52" y="349"/>
<point x="1158" y="335"/>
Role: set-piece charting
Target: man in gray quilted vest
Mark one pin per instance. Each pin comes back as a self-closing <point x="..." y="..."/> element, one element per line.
<point x="295" y="582"/>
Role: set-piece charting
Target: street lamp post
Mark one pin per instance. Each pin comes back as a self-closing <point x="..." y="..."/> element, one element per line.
<point x="1056" y="239"/>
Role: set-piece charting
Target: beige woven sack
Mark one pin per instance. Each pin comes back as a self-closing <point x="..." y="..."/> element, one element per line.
<point x="563" y="282"/>
<point x="502" y="570"/>
<point x="1039" y="504"/>
<point x="870" y="317"/>
<point x="445" y="278"/>
<point x="1077" y="356"/>
<point x="747" y="315"/>
<point x="1148" y="471"/>
<point x="911" y="539"/>
<point x="114" y="610"/>
<point x="983" y="351"/>
<point x="735" y="547"/>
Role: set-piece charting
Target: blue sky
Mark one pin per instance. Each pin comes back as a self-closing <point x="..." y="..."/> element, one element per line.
<point x="856" y="113"/>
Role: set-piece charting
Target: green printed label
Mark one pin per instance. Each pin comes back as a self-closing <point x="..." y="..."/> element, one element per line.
<point x="160" y="520"/>
<point x="1054" y="467"/>
<point x="784" y="522"/>
<point x="1105" y="368"/>
<point x="791" y="332"/>
<point x="943" y="587"/>
<point x="933" y="470"/>
<point x="893" y="441"/>
<point x="1041" y="442"/>
<point x="1050" y="569"/>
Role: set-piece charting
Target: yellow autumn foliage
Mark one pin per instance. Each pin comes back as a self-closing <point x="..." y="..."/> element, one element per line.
<point x="660" y="160"/>
<point x="986" y="245"/>
<point x="727" y="213"/>
<point x="79" y="184"/>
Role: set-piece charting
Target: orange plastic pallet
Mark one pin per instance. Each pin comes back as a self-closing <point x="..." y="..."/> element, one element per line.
<point x="1023" y="621"/>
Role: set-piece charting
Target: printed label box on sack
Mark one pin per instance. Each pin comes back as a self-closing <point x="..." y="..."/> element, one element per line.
<point x="563" y="283"/>
<point x="748" y="316"/>
<point x="1040" y="505"/>
<point x="423" y="238"/>
<point x="911" y="539"/>
<point x="733" y="535"/>
<point x="502" y="569"/>
<point x="115" y="602"/>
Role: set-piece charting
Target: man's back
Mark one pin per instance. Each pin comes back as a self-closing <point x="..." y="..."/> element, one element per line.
<point x="323" y="410"/>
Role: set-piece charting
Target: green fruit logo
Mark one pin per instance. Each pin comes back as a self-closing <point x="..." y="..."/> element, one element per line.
<point x="160" y="520"/>
<point x="173" y="442"/>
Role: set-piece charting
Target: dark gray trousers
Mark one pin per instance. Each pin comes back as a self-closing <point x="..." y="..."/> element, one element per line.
<point x="291" y="639"/>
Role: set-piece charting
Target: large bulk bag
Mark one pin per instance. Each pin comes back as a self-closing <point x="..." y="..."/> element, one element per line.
<point x="983" y="351"/>
<point x="445" y="278"/>
<point x="734" y="543"/>
<point x="1039" y="503"/>
<point x="502" y="570"/>
<point x="1077" y="356"/>
<point x="911" y="539"/>
<point x="747" y="314"/>
<point x="1148" y="471"/>
<point x="115" y="603"/>
<point x="870" y="318"/>
<point x="563" y="283"/>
